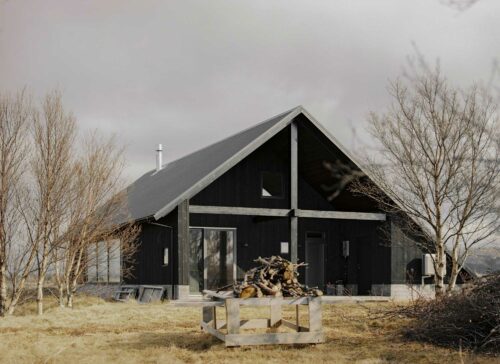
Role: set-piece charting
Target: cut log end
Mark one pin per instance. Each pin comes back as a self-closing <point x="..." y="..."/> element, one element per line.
<point x="276" y="277"/>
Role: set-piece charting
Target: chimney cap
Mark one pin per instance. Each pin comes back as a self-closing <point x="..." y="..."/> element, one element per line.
<point x="159" y="161"/>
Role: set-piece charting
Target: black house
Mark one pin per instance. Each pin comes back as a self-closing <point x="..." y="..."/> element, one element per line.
<point x="266" y="191"/>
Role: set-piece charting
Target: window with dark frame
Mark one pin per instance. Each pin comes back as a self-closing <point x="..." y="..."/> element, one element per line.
<point x="272" y="185"/>
<point x="104" y="262"/>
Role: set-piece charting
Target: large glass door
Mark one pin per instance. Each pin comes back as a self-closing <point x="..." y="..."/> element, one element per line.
<point x="195" y="261"/>
<point x="212" y="258"/>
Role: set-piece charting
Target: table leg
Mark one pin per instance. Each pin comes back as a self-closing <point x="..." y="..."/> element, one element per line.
<point x="207" y="314"/>
<point x="232" y="316"/>
<point x="297" y="317"/>
<point x="315" y="319"/>
<point x="275" y="313"/>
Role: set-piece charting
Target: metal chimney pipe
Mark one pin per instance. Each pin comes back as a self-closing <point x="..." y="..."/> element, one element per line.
<point x="159" y="163"/>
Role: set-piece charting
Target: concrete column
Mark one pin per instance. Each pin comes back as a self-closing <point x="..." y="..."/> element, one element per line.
<point x="181" y="290"/>
<point x="294" y="223"/>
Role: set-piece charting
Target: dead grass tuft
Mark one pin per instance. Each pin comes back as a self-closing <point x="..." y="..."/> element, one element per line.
<point x="97" y="331"/>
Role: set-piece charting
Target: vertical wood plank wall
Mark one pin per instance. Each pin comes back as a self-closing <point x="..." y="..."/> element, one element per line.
<point x="147" y="264"/>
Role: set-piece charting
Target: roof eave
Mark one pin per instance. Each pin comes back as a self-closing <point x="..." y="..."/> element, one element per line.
<point x="231" y="162"/>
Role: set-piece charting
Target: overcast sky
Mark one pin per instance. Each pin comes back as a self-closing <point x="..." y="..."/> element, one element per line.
<point x="187" y="73"/>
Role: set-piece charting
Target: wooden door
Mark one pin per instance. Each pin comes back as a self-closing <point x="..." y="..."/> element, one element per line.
<point x="364" y="266"/>
<point x="315" y="259"/>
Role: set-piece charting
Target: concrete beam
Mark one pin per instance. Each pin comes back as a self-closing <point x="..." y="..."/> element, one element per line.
<point x="342" y="215"/>
<point x="229" y="210"/>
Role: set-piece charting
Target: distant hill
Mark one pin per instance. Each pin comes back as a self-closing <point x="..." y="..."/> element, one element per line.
<point x="485" y="261"/>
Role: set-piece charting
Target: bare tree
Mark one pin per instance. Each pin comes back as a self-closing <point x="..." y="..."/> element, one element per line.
<point x="95" y="209"/>
<point x="54" y="132"/>
<point x="15" y="114"/>
<point x="343" y="174"/>
<point x="441" y="153"/>
<point x="57" y="200"/>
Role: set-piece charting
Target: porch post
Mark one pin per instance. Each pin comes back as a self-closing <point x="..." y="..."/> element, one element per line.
<point x="182" y="288"/>
<point x="294" y="223"/>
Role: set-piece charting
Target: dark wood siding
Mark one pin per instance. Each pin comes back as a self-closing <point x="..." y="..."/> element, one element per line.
<point x="314" y="150"/>
<point x="366" y="245"/>
<point x="256" y="236"/>
<point x="241" y="185"/>
<point x="148" y="266"/>
<point x="311" y="199"/>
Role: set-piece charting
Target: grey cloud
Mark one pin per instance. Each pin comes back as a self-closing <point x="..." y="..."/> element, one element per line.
<point x="186" y="73"/>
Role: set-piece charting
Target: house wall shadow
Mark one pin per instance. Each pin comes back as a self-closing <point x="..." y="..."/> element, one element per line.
<point x="192" y="341"/>
<point x="197" y="342"/>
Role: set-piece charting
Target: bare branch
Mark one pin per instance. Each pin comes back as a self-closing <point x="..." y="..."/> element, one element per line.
<point x="442" y="165"/>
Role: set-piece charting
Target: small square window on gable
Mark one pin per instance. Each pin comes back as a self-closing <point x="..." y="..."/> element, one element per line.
<point x="271" y="185"/>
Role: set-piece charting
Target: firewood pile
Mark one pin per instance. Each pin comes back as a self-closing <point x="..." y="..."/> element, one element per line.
<point x="275" y="276"/>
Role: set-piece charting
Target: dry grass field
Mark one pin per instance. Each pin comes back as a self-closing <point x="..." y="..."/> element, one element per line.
<point x="97" y="331"/>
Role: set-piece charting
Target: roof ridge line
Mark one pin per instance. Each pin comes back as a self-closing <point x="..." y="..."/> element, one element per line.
<point x="283" y="114"/>
<point x="247" y="149"/>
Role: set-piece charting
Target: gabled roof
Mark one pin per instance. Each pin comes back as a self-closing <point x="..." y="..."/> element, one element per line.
<point x="156" y="194"/>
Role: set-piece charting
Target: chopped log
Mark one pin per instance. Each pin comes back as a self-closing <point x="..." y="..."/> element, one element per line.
<point x="248" y="292"/>
<point x="275" y="276"/>
<point x="259" y="292"/>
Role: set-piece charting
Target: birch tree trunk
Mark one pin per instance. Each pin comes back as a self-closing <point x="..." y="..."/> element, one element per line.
<point x="54" y="132"/>
<point x="26" y="268"/>
<point x="440" y="270"/>
<point x="3" y="288"/>
<point x="438" y="169"/>
<point x="61" y="296"/>
<point x="15" y="114"/>
<point x="70" y="299"/>
<point x="72" y="286"/>
<point x="59" y="279"/>
<point x="39" y="294"/>
<point x="455" y="270"/>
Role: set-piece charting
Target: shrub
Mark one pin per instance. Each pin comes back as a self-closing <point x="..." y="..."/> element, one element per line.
<point x="469" y="318"/>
